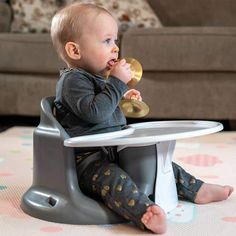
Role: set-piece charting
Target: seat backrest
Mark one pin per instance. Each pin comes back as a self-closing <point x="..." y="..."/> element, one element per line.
<point x="55" y="194"/>
<point x="48" y="119"/>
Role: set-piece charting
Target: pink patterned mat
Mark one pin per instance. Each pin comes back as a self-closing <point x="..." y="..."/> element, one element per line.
<point x="211" y="158"/>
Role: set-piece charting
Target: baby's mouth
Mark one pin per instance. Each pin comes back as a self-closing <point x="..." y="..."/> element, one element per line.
<point x="111" y="63"/>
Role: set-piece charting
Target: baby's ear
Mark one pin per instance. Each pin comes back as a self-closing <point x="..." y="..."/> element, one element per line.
<point x="72" y="50"/>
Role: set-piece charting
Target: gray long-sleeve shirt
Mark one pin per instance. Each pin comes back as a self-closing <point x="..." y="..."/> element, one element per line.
<point x="88" y="104"/>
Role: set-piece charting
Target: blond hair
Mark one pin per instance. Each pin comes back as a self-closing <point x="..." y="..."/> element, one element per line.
<point x="68" y="22"/>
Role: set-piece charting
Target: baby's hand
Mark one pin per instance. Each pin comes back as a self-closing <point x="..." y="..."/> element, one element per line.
<point x="122" y="71"/>
<point x="133" y="94"/>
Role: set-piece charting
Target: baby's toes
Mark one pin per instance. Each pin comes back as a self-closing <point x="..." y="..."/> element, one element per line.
<point x="146" y="217"/>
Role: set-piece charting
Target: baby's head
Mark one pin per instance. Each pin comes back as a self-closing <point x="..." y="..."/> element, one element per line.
<point x="82" y="34"/>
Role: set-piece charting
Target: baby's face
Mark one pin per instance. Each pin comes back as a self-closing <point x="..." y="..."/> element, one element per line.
<point x="98" y="44"/>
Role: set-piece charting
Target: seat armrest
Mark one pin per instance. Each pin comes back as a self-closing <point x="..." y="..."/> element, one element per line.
<point x="5" y="17"/>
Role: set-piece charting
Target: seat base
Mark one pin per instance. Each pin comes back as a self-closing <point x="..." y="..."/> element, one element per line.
<point x="50" y="206"/>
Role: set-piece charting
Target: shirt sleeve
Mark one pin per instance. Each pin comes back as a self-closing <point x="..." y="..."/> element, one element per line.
<point x="90" y="102"/>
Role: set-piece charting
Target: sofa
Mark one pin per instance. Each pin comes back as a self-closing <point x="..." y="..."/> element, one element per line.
<point x="189" y="70"/>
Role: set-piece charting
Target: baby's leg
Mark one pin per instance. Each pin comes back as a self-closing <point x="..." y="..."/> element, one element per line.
<point x="120" y="194"/>
<point x="195" y="190"/>
<point x="186" y="184"/>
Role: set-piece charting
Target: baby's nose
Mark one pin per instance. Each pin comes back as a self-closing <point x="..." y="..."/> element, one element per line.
<point x="115" y="49"/>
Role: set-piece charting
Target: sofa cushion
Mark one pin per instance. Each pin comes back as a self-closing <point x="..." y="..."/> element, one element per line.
<point x="5" y="17"/>
<point x="195" y="12"/>
<point x="28" y="53"/>
<point x="21" y="93"/>
<point x="32" y="16"/>
<point x="132" y="13"/>
<point x="182" y="48"/>
<point x="35" y="16"/>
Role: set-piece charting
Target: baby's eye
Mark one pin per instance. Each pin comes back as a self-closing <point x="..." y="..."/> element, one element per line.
<point x="107" y="41"/>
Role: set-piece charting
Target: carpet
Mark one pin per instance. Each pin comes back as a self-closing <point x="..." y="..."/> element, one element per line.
<point x="211" y="158"/>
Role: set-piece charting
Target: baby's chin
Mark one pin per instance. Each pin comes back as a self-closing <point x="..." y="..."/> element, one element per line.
<point x="102" y="73"/>
<point x="105" y="73"/>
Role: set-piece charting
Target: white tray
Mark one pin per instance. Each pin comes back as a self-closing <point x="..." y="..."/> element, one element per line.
<point x="148" y="133"/>
<point x="73" y="142"/>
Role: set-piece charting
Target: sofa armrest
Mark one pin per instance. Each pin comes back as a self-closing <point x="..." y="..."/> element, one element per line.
<point x="5" y="17"/>
<point x="182" y="48"/>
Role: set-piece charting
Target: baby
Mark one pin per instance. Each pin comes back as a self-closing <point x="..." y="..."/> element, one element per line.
<point x="84" y="36"/>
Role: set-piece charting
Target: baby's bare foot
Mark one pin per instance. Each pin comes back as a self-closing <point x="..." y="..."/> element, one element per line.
<point x="154" y="219"/>
<point x="213" y="193"/>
